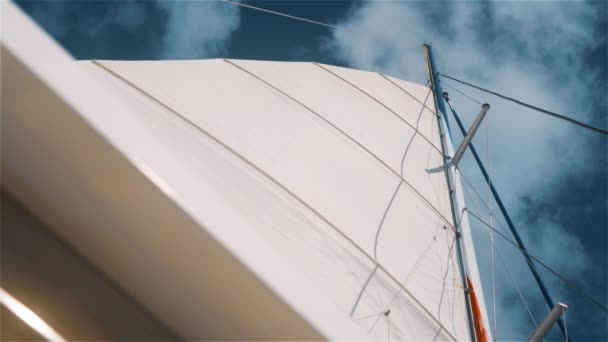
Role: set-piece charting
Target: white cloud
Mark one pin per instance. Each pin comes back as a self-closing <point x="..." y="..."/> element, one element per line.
<point x="198" y="29"/>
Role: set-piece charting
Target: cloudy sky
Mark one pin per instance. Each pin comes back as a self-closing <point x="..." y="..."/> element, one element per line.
<point x="552" y="175"/>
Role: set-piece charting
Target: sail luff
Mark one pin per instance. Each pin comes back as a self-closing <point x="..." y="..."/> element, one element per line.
<point x="467" y="262"/>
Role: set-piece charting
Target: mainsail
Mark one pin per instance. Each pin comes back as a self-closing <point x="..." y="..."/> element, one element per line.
<point x="242" y="199"/>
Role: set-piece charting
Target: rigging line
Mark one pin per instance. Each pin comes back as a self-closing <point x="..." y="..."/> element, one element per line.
<point x="388" y="328"/>
<point x="503" y="262"/>
<point x="368" y="316"/>
<point x="408" y="93"/>
<point x="461" y="93"/>
<point x="521" y="296"/>
<point x="377" y="101"/>
<point x="409" y="274"/>
<point x="505" y="214"/>
<point x="538" y="109"/>
<point x="565" y="326"/>
<point x="488" y="162"/>
<point x="414" y="267"/>
<point x="282" y="14"/>
<point x="353" y="140"/>
<point x="545" y="266"/>
<point x="273" y="180"/>
<point x="463" y="176"/>
<point x="388" y="207"/>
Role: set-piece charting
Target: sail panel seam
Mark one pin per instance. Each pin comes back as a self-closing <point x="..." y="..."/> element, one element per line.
<point x="372" y="154"/>
<point x="380" y="103"/>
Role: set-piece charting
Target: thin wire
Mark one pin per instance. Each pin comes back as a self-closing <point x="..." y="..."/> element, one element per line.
<point x="488" y="162"/>
<point x="538" y="109"/>
<point x="282" y="14"/>
<point x="461" y="92"/>
<point x="409" y="274"/>
<point x="388" y="328"/>
<point x="521" y="296"/>
<point x="565" y="281"/>
<point x="414" y="267"/>
<point x="369" y="316"/>
<point x="565" y="326"/>
<point x="503" y="261"/>
<point x="516" y="236"/>
<point x="502" y="225"/>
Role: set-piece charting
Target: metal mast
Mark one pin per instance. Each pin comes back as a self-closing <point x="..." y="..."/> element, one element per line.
<point x="441" y="120"/>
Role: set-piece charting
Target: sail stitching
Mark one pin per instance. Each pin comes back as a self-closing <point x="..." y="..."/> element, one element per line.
<point x="408" y="93"/>
<point x="379" y="102"/>
<point x="348" y="137"/>
<point x="334" y="126"/>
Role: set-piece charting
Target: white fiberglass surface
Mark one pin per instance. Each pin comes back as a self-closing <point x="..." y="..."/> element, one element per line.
<point x="346" y="186"/>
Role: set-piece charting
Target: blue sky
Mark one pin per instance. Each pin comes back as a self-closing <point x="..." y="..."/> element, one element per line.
<point x="553" y="176"/>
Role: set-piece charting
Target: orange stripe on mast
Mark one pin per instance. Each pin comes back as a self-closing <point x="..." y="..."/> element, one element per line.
<point x="480" y="331"/>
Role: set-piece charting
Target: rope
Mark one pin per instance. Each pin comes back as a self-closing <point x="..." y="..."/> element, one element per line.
<point x="565" y="281"/>
<point x="282" y="14"/>
<point x="538" y="109"/>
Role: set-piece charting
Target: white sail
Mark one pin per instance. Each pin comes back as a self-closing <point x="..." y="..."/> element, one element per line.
<point x="240" y="199"/>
